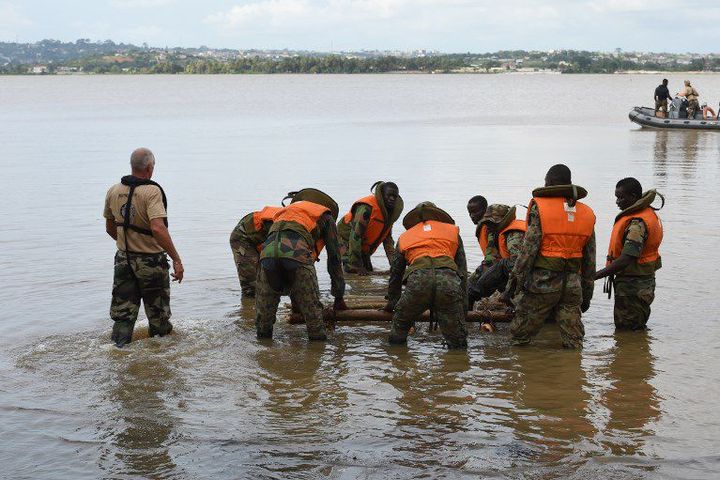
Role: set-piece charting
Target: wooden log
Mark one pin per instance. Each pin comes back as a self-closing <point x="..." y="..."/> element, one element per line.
<point x="372" y="315"/>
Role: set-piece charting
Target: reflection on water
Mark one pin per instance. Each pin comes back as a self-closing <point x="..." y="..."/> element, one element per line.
<point x="140" y="428"/>
<point x="631" y="400"/>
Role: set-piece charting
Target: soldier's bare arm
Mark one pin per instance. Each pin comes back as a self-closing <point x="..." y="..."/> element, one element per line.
<point x="389" y="246"/>
<point x="111" y="228"/>
<point x="162" y="237"/>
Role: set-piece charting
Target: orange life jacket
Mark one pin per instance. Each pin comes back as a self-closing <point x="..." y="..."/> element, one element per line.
<point x="429" y="239"/>
<point x="306" y="214"/>
<point x="262" y="216"/>
<point x="650" y="251"/>
<point x="377" y="231"/>
<point x="482" y="236"/>
<point x="515" y="226"/>
<point x="565" y="230"/>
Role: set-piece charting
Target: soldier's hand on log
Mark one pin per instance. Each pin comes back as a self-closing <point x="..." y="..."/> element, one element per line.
<point x="340" y="304"/>
<point x="178" y="271"/>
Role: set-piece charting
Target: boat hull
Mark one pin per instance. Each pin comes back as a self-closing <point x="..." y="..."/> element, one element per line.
<point x="646" y="117"/>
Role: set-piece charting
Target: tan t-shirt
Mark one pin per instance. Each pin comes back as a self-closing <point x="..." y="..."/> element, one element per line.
<point x="147" y="204"/>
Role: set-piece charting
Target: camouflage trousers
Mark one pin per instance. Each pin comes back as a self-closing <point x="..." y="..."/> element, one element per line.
<point x="532" y="310"/>
<point x="692" y="108"/>
<point x="149" y="281"/>
<point x="304" y="292"/>
<point x="246" y="259"/>
<point x="633" y="297"/>
<point x="354" y="260"/>
<point x="440" y="291"/>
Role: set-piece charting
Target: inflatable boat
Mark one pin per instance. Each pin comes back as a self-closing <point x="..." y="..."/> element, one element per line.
<point x="676" y="118"/>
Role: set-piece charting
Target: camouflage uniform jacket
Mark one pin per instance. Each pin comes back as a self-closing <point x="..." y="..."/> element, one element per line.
<point x="358" y="225"/>
<point x="294" y="242"/>
<point x="525" y="277"/>
<point x="399" y="264"/>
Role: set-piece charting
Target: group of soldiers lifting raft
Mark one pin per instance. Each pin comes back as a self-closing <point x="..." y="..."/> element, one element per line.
<point x="543" y="267"/>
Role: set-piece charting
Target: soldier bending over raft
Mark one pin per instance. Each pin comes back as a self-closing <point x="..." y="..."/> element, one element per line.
<point x="367" y="225"/>
<point x="299" y="233"/>
<point x="633" y="255"/>
<point x="554" y="273"/>
<point x="430" y="261"/>
<point x="246" y="242"/>
<point x="138" y="207"/>
<point x="500" y="236"/>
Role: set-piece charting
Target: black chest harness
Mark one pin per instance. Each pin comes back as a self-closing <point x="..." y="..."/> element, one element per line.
<point x="134" y="182"/>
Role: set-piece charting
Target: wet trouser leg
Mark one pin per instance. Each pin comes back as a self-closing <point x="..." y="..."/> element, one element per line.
<point x="246" y="259"/>
<point x="266" y="305"/>
<point x="449" y="308"/>
<point x="415" y="299"/>
<point x="305" y="295"/>
<point x="633" y="297"/>
<point x="148" y="280"/>
<point x="569" y="316"/>
<point x="531" y="310"/>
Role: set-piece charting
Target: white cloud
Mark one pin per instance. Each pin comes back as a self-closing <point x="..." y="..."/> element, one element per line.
<point x="140" y="3"/>
<point x="12" y="19"/>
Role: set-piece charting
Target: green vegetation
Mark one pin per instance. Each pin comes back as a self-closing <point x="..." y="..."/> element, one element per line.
<point x="83" y="56"/>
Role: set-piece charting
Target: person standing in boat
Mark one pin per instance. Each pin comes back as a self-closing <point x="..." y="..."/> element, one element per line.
<point x="662" y="95"/>
<point x="692" y="96"/>
<point x="136" y="218"/>
<point x="633" y="255"/>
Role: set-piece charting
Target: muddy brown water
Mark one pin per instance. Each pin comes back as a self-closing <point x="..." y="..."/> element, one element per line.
<point x="211" y="401"/>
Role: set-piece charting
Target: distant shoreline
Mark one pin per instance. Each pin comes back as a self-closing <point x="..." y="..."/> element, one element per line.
<point x="394" y="72"/>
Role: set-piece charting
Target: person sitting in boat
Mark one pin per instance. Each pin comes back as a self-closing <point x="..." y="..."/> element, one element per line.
<point x="662" y="94"/>
<point x="708" y="112"/>
<point x="692" y="97"/>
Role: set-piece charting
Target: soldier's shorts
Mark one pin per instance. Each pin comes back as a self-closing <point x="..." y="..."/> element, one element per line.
<point x="246" y="259"/>
<point x="563" y="305"/>
<point x="149" y="281"/>
<point x="633" y="297"/>
<point x="440" y="291"/>
<point x="300" y="282"/>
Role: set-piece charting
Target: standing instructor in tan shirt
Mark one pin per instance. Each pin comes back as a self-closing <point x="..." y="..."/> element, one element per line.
<point x="136" y="218"/>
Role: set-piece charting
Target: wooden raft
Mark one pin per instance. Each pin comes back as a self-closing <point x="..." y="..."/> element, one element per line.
<point x="374" y="315"/>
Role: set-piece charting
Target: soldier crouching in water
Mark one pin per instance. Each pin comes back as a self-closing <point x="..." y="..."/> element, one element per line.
<point x="299" y="233"/>
<point x="367" y="225"/>
<point x="633" y="255"/>
<point x="246" y="242"/>
<point x="500" y="235"/>
<point x="138" y="207"/>
<point x="554" y="273"/>
<point x="430" y="261"/>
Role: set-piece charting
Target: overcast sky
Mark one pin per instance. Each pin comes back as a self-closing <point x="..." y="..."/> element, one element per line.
<point x="445" y="25"/>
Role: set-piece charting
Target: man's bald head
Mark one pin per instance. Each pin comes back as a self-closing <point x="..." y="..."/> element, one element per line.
<point x="142" y="161"/>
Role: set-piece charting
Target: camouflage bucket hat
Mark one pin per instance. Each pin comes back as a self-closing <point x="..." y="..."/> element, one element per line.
<point x="498" y="214"/>
<point x="425" y="211"/>
<point x="315" y="196"/>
